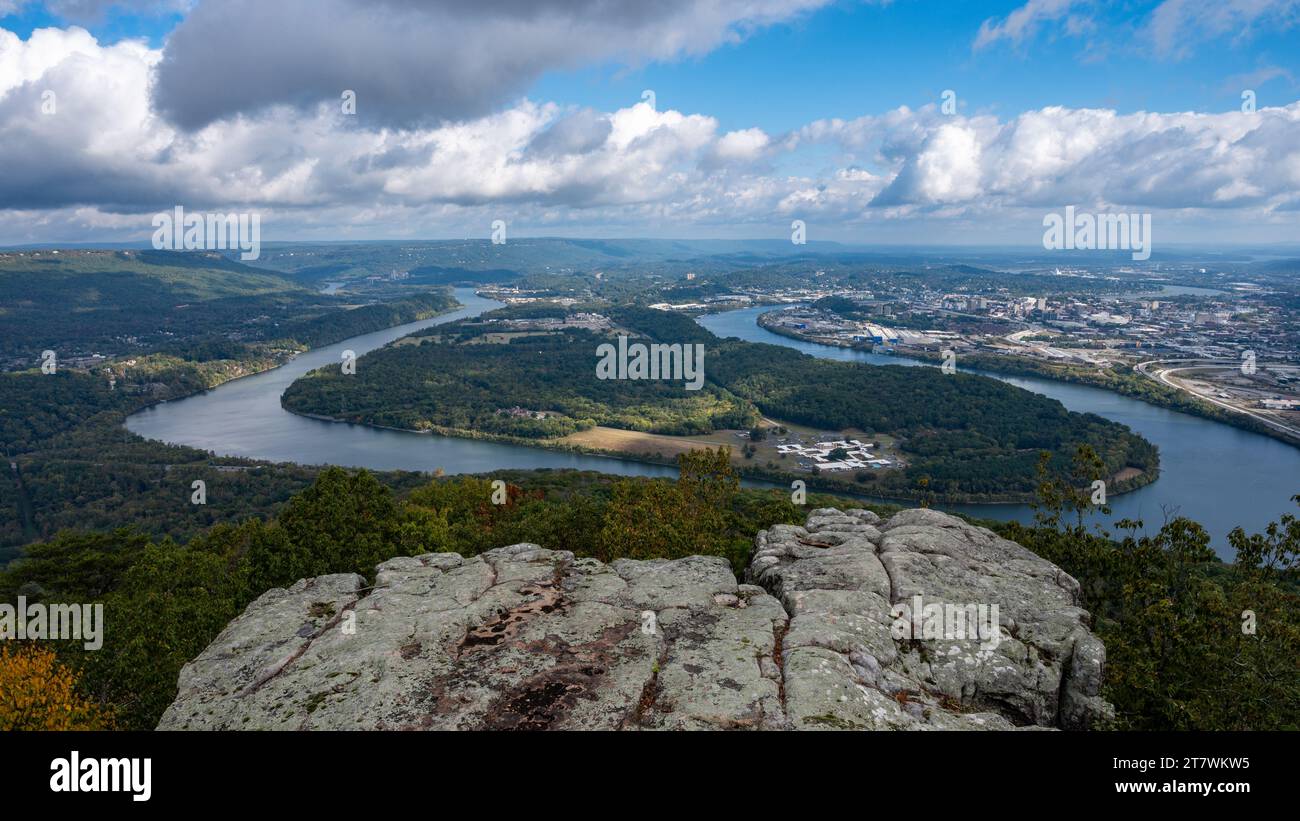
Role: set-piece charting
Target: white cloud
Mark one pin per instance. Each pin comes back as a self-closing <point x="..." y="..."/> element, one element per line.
<point x="105" y="161"/>
<point x="1178" y="25"/>
<point x="1025" y="22"/>
<point x="1172" y="29"/>
<point x="946" y="168"/>
<point x="747" y="145"/>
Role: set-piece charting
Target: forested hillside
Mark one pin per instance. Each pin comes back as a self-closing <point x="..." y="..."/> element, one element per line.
<point x="78" y="303"/>
<point x="969" y="435"/>
<point x="196" y="306"/>
<point x="69" y="460"/>
<point x="470" y="386"/>
<point x="965" y="437"/>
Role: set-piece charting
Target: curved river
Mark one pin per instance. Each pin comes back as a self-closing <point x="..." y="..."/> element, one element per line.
<point x="244" y="418"/>
<point x="1216" y="474"/>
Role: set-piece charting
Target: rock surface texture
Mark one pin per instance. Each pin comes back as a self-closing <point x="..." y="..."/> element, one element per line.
<point x="527" y="638"/>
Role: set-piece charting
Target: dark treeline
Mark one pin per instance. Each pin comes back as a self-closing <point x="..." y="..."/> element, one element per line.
<point x="1122" y="379"/>
<point x="330" y="327"/>
<point x="195" y="306"/>
<point x="135" y="302"/>
<point x="969" y="436"/>
<point x="1191" y="643"/>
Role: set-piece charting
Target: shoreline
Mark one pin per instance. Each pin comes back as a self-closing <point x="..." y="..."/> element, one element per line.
<point x="777" y="479"/>
<point x="1011" y="365"/>
<point x="268" y="369"/>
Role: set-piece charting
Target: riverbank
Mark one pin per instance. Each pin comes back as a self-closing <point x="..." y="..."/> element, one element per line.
<point x="1125" y="481"/>
<point x="1125" y="382"/>
<point x="212" y="374"/>
<point x="78" y="458"/>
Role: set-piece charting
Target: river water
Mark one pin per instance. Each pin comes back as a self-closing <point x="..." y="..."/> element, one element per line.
<point x="244" y="418"/>
<point x="1214" y="473"/>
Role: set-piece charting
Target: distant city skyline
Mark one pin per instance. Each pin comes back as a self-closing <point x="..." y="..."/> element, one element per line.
<point x="905" y="123"/>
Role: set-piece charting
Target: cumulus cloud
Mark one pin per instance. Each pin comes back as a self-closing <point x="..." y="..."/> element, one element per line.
<point x="744" y="146"/>
<point x="74" y="123"/>
<point x="946" y="169"/>
<point x="103" y="161"/>
<point x="418" y="62"/>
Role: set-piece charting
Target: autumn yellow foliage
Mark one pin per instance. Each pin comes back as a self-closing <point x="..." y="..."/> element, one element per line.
<point x="39" y="693"/>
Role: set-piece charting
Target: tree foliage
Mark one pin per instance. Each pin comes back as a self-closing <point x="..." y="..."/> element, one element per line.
<point x="37" y="692"/>
<point x="164" y="601"/>
<point x="662" y="519"/>
<point x="1192" y="644"/>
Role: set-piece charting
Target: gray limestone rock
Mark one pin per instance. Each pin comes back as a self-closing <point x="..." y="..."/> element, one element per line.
<point x="855" y="658"/>
<point x="518" y="638"/>
<point x="522" y="637"/>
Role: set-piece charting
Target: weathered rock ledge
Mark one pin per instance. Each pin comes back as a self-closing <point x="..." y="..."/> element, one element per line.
<point x="528" y="638"/>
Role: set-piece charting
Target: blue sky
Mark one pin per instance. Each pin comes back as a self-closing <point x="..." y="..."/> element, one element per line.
<point x="461" y="109"/>
<point x="116" y="24"/>
<point x="852" y="58"/>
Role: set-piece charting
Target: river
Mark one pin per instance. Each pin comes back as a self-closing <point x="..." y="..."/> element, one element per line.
<point x="1219" y="475"/>
<point x="243" y="417"/>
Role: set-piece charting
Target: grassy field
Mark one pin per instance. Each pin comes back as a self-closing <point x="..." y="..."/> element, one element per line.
<point x="638" y="443"/>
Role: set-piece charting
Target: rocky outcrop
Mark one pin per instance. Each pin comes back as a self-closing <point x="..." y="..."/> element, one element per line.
<point x="853" y="657"/>
<point x="528" y="638"/>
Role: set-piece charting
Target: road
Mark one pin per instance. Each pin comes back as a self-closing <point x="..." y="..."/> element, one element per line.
<point x="1162" y="375"/>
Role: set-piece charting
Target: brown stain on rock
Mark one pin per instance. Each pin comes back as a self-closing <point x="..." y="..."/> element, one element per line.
<point x="540" y="701"/>
<point x="548" y="599"/>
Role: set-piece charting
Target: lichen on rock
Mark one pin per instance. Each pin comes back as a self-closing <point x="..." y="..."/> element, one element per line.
<point x="841" y="578"/>
<point x="522" y="637"/>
